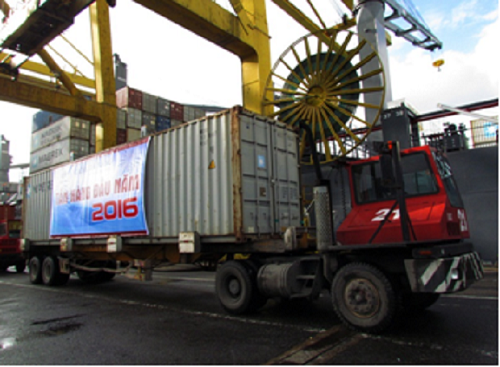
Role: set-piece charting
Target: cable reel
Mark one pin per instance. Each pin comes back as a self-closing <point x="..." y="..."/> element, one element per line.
<point x="328" y="79"/>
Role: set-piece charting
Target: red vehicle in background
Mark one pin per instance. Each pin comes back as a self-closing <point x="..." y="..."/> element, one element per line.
<point x="10" y="233"/>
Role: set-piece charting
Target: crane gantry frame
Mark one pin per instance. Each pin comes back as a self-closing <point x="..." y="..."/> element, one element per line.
<point x="245" y="35"/>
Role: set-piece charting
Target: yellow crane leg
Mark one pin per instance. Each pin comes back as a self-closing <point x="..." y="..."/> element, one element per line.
<point x="104" y="74"/>
<point x="255" y="67"/>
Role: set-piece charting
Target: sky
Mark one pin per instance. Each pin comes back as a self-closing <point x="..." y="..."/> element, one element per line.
<point x="166" y="60"/>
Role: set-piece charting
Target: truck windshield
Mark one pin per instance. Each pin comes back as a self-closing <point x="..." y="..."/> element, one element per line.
<point x="417" y="176"/>
<point x="449" y="183"/>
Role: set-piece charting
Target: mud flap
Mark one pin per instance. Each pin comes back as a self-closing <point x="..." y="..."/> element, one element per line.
<point x="444" y="275"/>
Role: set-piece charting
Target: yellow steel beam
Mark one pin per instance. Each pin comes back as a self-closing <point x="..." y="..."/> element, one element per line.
<point x="255" y="68"/>
<point x="242" y="13"/>
<point x="104" y="74"/>
<point x="300" y="17"/>
<point x="349" y="4"/>
<point x="208" y="20"/>
<point x="23" y="91"/>
<point x="38" y="68"/>
<point x="60" y="74"/>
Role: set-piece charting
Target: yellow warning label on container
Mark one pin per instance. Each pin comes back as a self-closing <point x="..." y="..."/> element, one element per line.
<point x="211" y="165"/>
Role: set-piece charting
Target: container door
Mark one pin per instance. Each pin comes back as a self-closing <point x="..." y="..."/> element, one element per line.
<point x="286" y="178"/>
<point x="256" y="169"/>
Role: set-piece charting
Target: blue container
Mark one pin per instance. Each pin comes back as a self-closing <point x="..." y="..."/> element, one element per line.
<point x="162" y="123"/>
<point x="42" y="119"/>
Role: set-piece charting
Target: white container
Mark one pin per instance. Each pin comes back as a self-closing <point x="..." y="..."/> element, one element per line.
<point x="134" y="117"/>
<point x="64" y="128"/>
<point x="231" y="177"/>
<point x="58" y="152"/>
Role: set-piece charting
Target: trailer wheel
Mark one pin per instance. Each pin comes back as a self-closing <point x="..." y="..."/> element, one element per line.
<point x="363" y="298"/>
<point x="417" y="302"/>
<point x="35" y="270"/>
<point x="50" y="271"/>
<point x="235" y="288"/>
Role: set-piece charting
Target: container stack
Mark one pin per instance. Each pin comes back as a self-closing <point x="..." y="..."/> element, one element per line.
<point x="57" y="139"/>
<point x="155" y="113"/>
<point x="65" y="139"/>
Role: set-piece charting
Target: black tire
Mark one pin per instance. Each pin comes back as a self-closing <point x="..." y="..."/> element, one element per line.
<point x="235" y="288"/>
<point x="418" y="302"/>
<point x="258" y="299"/>
<point x="363" y="298"/>
<point x="20" y="266"/>
<point x="35" y="270"/>
<point x="50" y="271"/>
<point x="3" y="268"/>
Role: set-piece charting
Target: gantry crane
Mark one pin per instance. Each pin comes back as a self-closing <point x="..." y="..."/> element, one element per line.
<point x="29" y="28"/>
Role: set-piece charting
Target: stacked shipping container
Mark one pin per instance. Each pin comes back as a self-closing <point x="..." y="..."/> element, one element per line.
<point x="57" y="139"/>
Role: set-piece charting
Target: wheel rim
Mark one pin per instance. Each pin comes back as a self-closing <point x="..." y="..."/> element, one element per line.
<point x="234" y="288"/>
<point x="362" y="298"/>
<point x="328" y="90"/>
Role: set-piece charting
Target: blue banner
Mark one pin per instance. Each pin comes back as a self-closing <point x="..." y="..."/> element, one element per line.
<point x="101" y="195"/>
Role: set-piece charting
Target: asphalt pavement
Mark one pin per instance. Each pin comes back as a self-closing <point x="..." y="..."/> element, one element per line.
<point x="176" y="319"/>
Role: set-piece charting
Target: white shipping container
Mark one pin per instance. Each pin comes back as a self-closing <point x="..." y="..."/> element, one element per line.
<point x="134" y="117"/>
<point x="231" y="177"/>
<point x="58" y="152"/>
<point x="64" y="128"/>
<point x="149" y="102"/>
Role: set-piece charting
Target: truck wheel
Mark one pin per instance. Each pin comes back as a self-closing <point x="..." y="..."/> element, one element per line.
<point x="50" y="271"/>
<point x="363" y="298"/>
<point x="417" y="302"/>
<point x="35" y="270"/>
<point x="235" y="288"/>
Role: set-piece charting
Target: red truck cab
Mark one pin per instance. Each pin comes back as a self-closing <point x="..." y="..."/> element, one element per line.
<point x="435" y="208"/>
